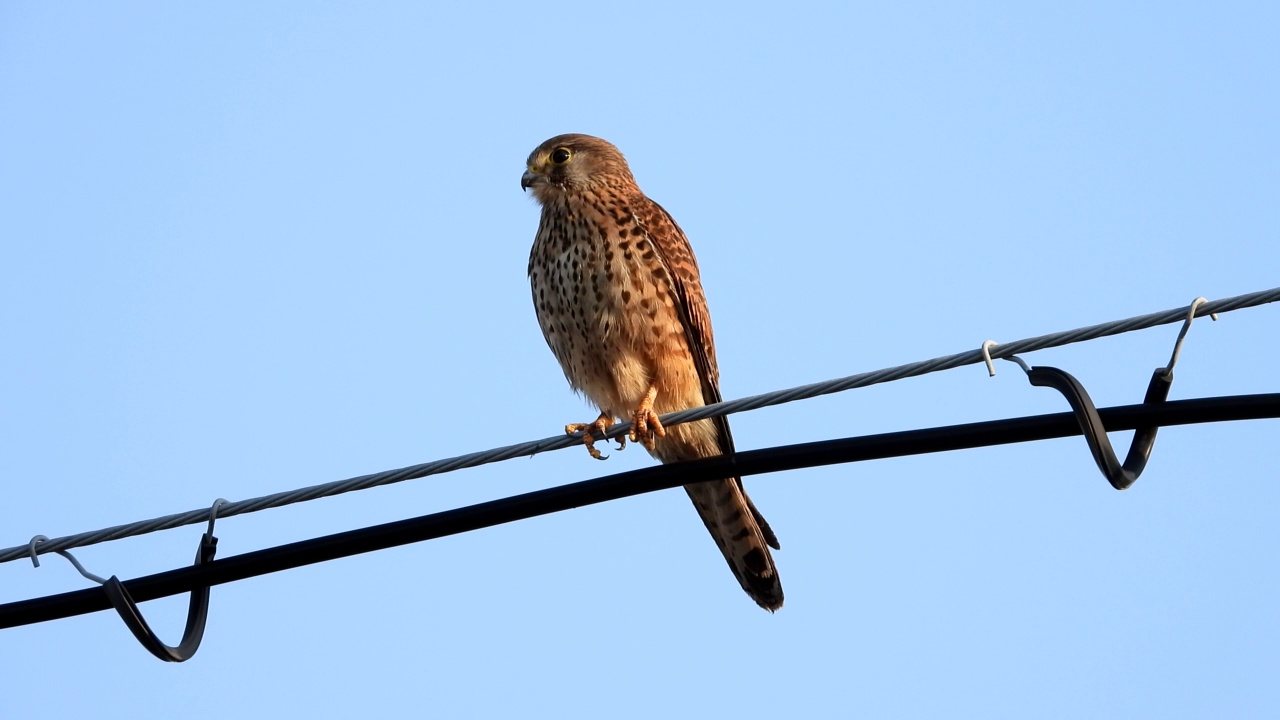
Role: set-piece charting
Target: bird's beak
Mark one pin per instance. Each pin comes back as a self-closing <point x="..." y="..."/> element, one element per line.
<point x="528" y="179"/>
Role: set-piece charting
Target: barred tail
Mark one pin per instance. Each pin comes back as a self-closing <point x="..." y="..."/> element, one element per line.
<point x="742" y="535"/>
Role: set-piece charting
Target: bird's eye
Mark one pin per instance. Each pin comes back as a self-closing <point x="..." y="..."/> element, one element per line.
<point x="560" y="156"/>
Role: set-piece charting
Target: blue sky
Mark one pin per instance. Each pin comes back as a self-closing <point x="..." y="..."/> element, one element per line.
<point x="245" y="249"/>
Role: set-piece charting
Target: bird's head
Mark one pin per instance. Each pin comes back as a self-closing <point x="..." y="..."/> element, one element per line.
<point x="570" y="163"/>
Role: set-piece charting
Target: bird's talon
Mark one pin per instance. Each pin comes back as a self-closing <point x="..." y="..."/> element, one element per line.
<point x="646" y="428"/>
<point x="589" y="433"/>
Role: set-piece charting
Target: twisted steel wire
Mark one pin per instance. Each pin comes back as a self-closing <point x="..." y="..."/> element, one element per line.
<point x="778" y="397"/>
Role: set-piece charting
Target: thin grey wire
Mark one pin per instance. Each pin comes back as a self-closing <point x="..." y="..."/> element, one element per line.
<point x="556" y="442"/>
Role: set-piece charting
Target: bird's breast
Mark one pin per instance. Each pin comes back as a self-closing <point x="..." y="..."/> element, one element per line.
<point x="603" y="301"/>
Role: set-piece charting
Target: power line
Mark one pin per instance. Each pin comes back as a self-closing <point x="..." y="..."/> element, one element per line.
<point x="628" y="484"/>
<point x="556" y="442"/>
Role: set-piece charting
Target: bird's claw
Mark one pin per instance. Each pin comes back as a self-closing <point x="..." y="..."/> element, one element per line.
<point x="645" y="427"/>
<point x="590" y="431"/>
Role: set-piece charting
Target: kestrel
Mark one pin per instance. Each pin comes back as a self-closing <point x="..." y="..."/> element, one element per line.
<point x="618" y="296"/>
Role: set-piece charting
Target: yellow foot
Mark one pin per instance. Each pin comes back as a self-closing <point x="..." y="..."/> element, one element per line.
<point x="591" y="432"/>
<point x="645" y="426"/>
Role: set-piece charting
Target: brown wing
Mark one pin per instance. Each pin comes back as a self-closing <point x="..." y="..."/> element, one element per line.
<point x="677" y="258"/>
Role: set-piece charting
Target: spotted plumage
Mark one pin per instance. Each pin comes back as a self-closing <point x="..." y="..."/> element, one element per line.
<point x="619" y="299"/>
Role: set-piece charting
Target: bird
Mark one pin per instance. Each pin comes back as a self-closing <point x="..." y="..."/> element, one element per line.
<point x="619" y="299"/>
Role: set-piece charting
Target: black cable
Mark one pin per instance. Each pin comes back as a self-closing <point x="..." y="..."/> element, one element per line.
<point x="636" y="482"/>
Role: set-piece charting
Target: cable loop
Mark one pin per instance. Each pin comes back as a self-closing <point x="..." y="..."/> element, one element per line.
<point x="1120" y="475"/>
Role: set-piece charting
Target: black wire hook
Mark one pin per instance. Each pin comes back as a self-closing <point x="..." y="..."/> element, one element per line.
<point x="197" y="610"/>
<point x="1120" y="475"/>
